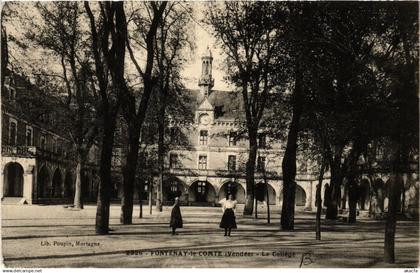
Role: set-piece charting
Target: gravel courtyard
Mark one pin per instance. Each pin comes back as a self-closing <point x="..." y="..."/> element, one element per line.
<point x="54" y="236"/>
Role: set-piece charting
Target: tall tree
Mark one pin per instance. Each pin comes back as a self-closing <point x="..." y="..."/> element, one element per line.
<point x="134" y="105"/>
<point x="107" y="47"/>
<point x="248" y="37"/>
<point x="61" y="33"/>
<point x="173" y="42"/>
<point x="402" y="69"/>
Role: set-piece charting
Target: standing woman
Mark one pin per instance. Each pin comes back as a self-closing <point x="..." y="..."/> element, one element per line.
<point x="228" y="220"/>
<point x="176" y="218"/>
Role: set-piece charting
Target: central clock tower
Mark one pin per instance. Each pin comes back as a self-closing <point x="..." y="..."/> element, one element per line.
<point x="204" y="115"/>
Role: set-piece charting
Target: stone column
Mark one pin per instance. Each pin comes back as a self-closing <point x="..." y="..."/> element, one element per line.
<point x="2" y="180"/>
<point x="28" y="182"/>
<point x="308" y="204"/>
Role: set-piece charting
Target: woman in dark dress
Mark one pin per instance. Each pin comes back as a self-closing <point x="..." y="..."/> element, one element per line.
<point x="176" y="218"/>
<point x="228" y="219"/>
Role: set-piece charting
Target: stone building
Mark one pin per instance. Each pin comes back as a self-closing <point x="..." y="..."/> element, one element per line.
<point x="36" y="159"/>
<point x="213" y="164"/>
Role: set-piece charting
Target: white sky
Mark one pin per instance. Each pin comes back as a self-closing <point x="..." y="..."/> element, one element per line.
<point x="192" y="69"/>
<point x="203" y="38"/>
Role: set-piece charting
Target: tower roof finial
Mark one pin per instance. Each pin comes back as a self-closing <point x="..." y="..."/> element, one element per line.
<point x="207" y="52"/>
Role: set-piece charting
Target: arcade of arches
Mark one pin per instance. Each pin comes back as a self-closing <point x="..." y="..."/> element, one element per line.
<point x="47" y="183"/>
<point x="23" y="180"/>
<point x="203" y="192"/>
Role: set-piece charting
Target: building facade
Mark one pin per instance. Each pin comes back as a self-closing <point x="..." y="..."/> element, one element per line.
<point x="36" y="161"/>
<point x="213" y="165"/>
<point x="37" y="165"/>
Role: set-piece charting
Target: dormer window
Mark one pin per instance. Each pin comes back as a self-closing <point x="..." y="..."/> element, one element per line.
<point x="232" y="163"/>
<point x="261" y="164"/>
<point x="173" y="161"/>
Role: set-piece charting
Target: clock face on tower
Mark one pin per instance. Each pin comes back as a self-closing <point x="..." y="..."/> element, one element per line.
<point x="204" y="119"/>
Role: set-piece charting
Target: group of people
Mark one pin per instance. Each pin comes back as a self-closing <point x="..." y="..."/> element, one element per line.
<point x="228" y="221"/>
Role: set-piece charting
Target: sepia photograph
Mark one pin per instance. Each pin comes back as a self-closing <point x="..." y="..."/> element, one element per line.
<point x="209" y="134"/>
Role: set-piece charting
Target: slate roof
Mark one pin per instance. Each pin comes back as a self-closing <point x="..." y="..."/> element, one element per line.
<point x="226" y="105"/>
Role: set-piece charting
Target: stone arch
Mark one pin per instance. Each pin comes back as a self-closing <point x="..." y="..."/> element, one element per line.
<point x="234" y="188"/>
<point x="300" y="196"/>
<point x="261" y="194"/>
<point x="174" y="187"/>
<point x="13" y="180"/>
<point x="57" y="183"/>
<point x="68" y="185"/>
<point x="44" y="181"/>
<point x="201" y="192"/>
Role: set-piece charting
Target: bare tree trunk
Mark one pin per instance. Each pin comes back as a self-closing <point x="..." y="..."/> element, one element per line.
<point x="104" y="191"/>
<point x="319" y="201"/>
<point x="391" y="221"/>
<point x="129" y="173"/>
<point x="250" y="173"/>
<point x="150" y="197"/>
<point x="78" y="196"/>
<point x="268" y="199"/>
<point x="161" y="152"/>
<point x="335" y="191"/>
<point x="289" y="159"/>
<point x="140" y="202"/>
<point x="256" y="208"/>
<point x="353" y="198"/>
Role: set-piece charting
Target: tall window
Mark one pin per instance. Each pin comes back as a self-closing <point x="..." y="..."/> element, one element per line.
<point x="232" y="163"/>
<point x="203" y="137"/>
<point x="202" y="162"/>
<point x="261" y="163"/>
<point x="12" y="133"/>
<point x="232" y="139"/>
<point x="174" y="186"/>
<point x="28" y="136"/>
<point x="201" y="187"/>
<point x="262" y="141"/>
<point x="173" y="161"/>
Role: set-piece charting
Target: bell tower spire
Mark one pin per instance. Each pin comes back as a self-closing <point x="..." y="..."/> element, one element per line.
<point x="206" y="81"/>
